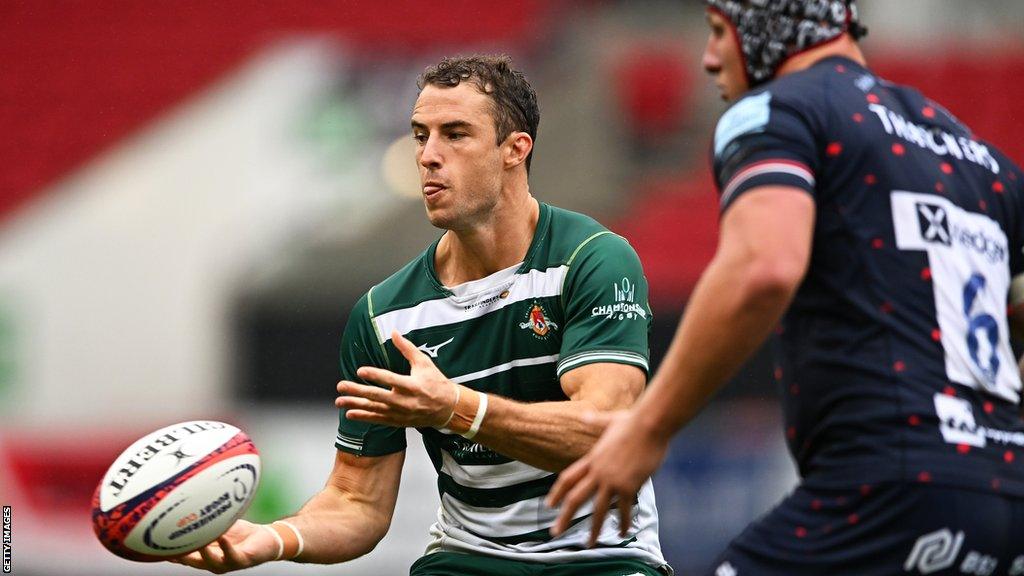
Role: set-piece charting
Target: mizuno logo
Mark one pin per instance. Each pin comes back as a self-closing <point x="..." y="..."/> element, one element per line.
<point x="433" y="350"/>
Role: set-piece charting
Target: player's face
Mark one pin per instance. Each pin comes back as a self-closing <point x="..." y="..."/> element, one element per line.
<point x="722" y="58"/>
<point x="459" y="160"/>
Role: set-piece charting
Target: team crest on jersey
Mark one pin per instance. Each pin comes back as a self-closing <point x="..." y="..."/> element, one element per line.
<point x="538" y="321"/>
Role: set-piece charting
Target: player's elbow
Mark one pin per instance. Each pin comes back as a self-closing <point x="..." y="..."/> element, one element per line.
<point x="773" y="280"/>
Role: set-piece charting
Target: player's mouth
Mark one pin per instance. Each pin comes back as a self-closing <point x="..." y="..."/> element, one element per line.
<point x="432" y="187"/>
<point x="722" y="92"/>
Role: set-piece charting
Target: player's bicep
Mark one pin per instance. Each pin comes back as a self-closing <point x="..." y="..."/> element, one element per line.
<point x="605" y="386"/>
<point x="770" y="230"/>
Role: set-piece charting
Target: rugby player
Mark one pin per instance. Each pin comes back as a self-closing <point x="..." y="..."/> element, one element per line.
<point x="493" y="343"/>
<point x="880" y="238"/>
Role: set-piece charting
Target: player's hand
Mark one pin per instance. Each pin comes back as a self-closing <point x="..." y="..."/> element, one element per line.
<point x="244" y="544"/>
<point x="614" y="469"/>
<point x="423" y="398"/>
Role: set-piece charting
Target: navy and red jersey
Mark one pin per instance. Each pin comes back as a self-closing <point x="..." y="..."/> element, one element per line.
<point x="894" y="358"/>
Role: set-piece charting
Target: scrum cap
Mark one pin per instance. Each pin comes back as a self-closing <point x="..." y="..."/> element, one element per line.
<point x="771" y="31"/>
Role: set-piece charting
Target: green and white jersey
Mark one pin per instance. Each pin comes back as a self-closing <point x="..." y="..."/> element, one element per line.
<point x="578" y="298"/>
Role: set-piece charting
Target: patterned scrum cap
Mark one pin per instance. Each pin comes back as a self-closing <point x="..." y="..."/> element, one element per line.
<point x="770" y="31"/>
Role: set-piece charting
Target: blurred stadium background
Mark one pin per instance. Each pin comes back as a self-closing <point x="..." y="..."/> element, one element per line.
<point x="194" y="193"/>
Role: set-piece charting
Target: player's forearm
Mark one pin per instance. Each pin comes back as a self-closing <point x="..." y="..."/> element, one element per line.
<point x="732" y="311"/>
<point x="547" y="435"/>
<point x="336" y="528"/>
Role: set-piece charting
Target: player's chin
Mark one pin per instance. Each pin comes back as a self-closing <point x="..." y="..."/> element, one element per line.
<point x="441" y="218"/>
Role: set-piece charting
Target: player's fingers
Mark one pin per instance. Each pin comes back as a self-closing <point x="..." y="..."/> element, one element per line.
<point x="414" y="355"/>
<point x="354" y="402"/>
<point x="625" y="505"/>
<point x="212" y="559"/>
<point x="232" y="557"/>
<point x="601" y="502"/>
<point x="566" y="480"/>
<point x="576" y="497"/>
<point x="375" y="393"/>
<point x="382" y="377"/>
<point x="372" y="417"/>
<point x="192" y="559"/>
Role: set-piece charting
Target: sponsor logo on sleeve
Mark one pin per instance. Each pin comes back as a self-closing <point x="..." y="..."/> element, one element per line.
<point x="749" y="115"/>
<point x="624" y="306"/>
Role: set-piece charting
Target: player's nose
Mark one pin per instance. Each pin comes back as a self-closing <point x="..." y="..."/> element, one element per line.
<point x="430" y="156"/>
<point x="709" y="60"/>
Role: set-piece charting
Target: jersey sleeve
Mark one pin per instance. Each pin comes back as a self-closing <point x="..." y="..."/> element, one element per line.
<point x="607" y="316"/>
<point x="360" y="347"/>
<point x="764" y="140"/>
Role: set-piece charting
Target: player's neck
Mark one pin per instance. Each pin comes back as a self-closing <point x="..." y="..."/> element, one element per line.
<point x="502" y="241"/>
<point x="843" y="46"/>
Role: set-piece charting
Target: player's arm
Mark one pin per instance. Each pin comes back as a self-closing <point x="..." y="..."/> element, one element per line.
<point x="763" y="253"/>
<point x="353" y="512"/>
<point x="343" y="521"/>
<point x="548" y="435"/>
<point x="602" y="361"/>
<point x="602" y="367"/>
<point x="552" y="435"/>
<point x="762" y="256"/>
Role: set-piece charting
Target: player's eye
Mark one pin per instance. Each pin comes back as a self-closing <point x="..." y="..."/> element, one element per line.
<point x="419" y="137"/>
<point x="456" y="135"/>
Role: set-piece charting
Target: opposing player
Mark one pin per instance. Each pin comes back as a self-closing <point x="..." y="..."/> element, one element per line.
<point x="494" y="344"/>
<point x="889" y="236"/>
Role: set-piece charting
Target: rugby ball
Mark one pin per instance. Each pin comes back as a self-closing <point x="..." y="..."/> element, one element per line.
<point x="175" y="490"/>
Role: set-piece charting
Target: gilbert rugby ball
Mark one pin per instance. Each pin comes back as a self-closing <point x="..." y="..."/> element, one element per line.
<point x="175" y="490"/>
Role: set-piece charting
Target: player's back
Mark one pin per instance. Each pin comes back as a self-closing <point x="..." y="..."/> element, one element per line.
<point x="894" y="358"/>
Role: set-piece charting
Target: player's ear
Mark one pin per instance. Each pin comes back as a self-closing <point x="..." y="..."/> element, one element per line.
<point x="516" y="148"/>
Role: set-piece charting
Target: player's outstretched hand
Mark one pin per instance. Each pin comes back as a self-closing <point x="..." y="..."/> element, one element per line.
<point x="423" y="398"/>
<point x="614" y="469"/>
<point x="244" y="544"/>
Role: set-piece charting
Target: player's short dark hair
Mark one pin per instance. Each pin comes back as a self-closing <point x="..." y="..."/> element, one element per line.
<point x="514" y="101"/>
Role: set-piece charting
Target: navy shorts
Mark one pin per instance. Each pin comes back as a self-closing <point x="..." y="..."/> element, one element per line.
<point x="882" y="530"/>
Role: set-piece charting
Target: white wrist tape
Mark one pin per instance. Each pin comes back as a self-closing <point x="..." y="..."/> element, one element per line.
<point x="298" y="536"/>
<point x="478" y="420"/>
<point x="458" y="394"/>
<point x="280" y="542"/>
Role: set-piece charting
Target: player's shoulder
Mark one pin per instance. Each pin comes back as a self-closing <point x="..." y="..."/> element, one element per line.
<point x="1010" y="176"/>
<point x="407" y="287"/>
<point x="796" y="103"/>
<point x="573" y="235"/>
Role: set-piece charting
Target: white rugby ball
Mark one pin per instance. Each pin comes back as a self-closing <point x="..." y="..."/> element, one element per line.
<point x="175" y="490"/>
